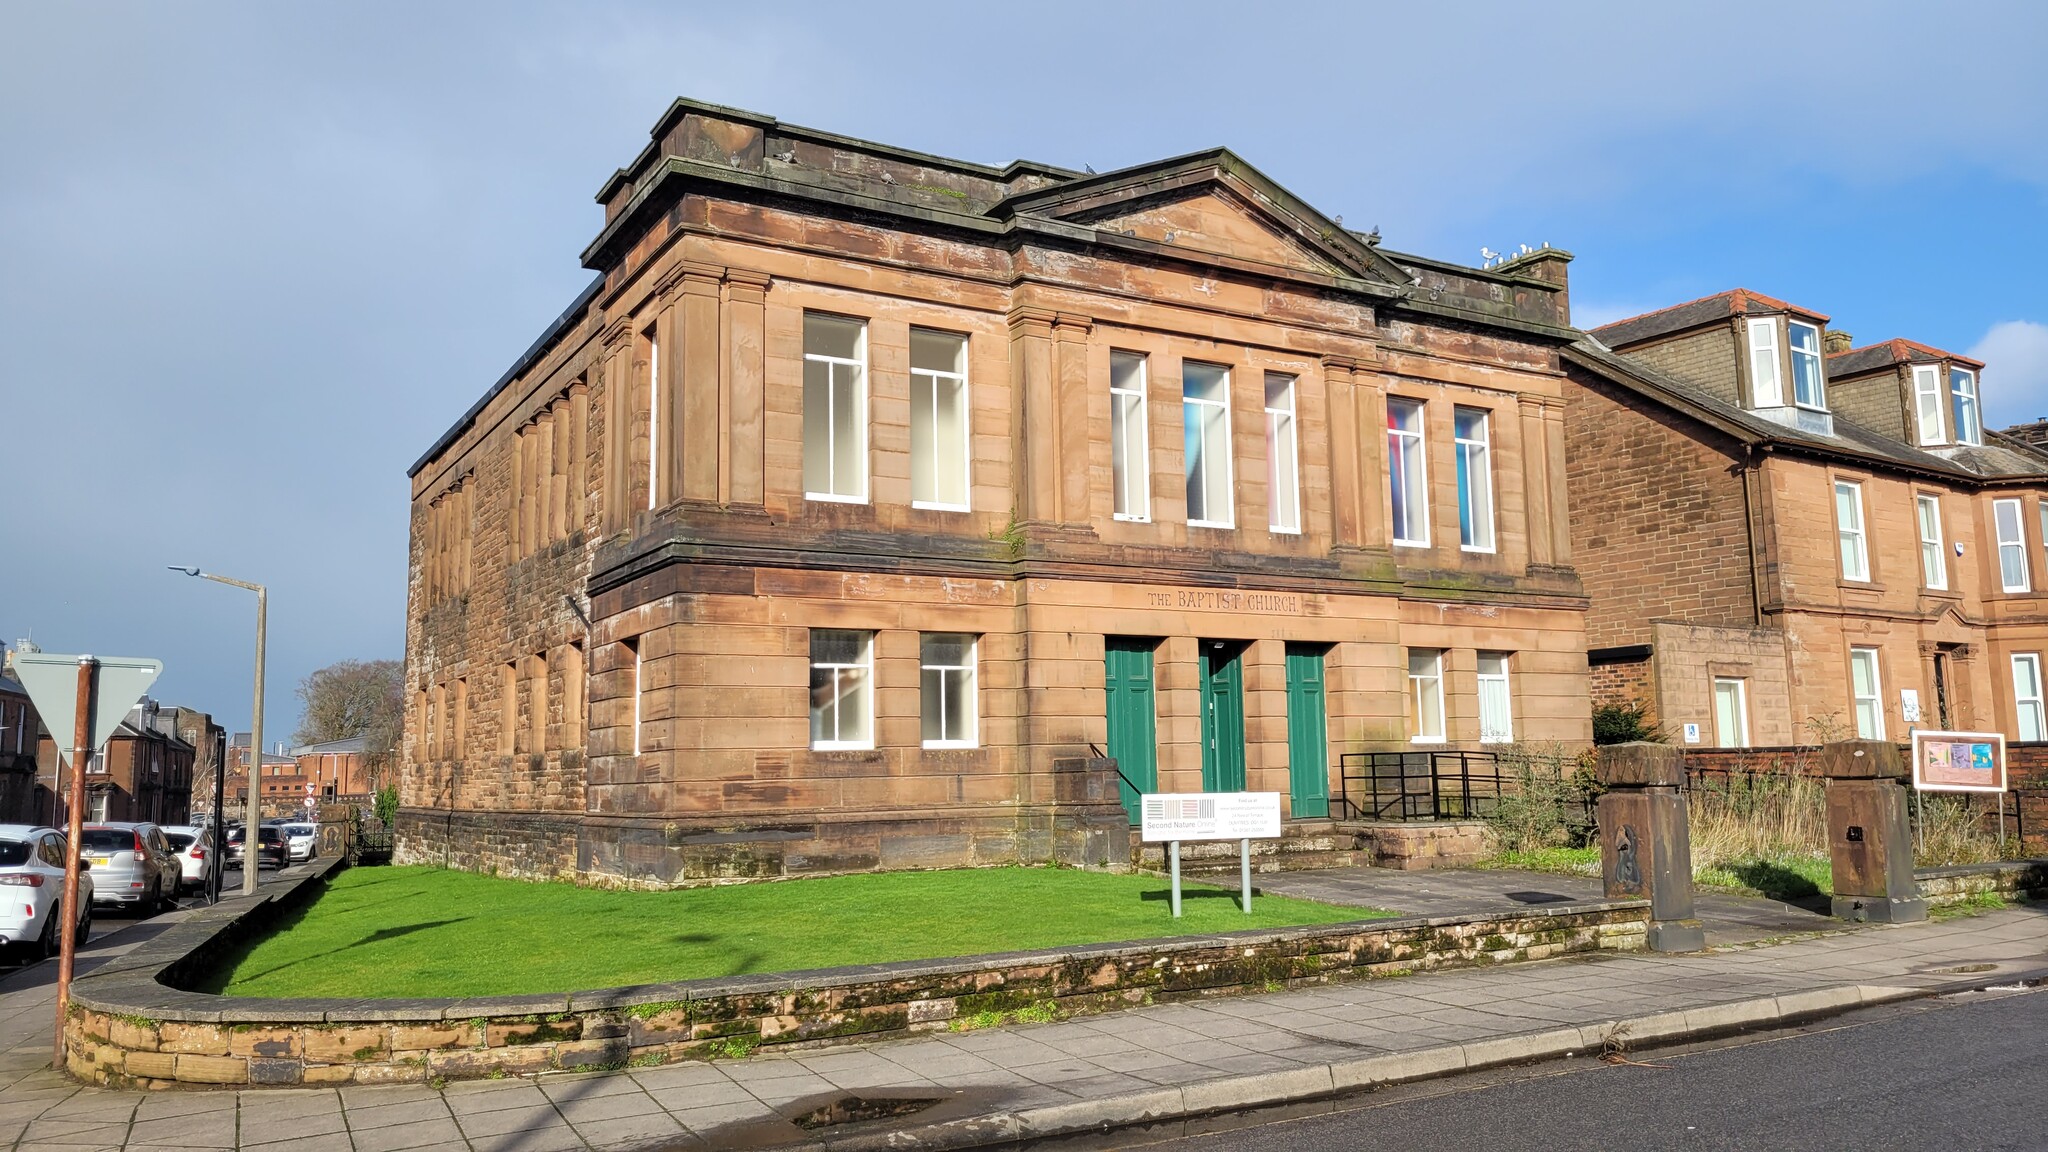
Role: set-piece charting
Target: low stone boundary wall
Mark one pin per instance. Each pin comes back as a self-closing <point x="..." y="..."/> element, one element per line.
<point x="2013" y="880"/>
<point x="130" y="1025"/>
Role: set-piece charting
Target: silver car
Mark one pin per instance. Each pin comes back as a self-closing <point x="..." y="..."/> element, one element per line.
<point x="132" y="866"/>
<point x="32" y="886"/>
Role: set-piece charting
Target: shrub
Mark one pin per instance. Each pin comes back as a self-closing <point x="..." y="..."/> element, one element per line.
<point x="387" y="805"/>
<point x="1546" y="797"/>
<point x="1622" y="723"/>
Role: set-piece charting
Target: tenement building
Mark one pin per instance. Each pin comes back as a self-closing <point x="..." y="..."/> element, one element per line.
<point x="864" y="493"/>
<point x="1787" y="539"/>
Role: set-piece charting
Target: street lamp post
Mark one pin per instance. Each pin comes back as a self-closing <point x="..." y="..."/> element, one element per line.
<point x="252" y="844"/>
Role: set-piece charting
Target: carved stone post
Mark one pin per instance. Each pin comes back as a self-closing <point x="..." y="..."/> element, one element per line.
<point x="1870" y="837"/>
<point x="1645" y="843"/>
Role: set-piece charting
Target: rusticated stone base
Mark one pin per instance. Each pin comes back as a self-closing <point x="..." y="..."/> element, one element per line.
<point x="652" y="852"/>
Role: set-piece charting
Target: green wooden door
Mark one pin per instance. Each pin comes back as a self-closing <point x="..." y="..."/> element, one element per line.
<point x="1308" y="752"/>
<point x="1127" y="674"/>
<point x="1222" y="719"/>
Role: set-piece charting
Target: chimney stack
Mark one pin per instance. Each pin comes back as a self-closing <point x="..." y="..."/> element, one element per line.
<point x="1836" y="342"/>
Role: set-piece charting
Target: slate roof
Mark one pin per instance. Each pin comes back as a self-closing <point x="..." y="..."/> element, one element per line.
<point x="1694" y="313"/>
<point x="335" y="747"/>
<point x="1888" y="353"/>
<point x="2000" y="458"/>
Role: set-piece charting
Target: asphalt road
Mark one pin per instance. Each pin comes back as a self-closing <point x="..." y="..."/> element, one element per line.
<point x="108" y="920"/>
<point x="1957" y="1074"/>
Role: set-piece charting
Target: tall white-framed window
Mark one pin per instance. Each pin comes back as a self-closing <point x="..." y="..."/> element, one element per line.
<point x="653" y="416"/>
<point x="1731" y="712"/>
<point x="1130" y="469"/>
<point x="1809" y="382"/>
<point x="1866" y="692"/>
<point x="1475" y="479"/>
<point x="1933" y="558"/>
<point x="1969" y="423"/>
<point x="938" y="420"/>
<point x="1496" y="702"/>
<point x="2026" y="694"/>
<point x="1426" y="694"/>
<point x="2012" y="545"/>
<point x="835" y="408"/>
<point x="1849" y="530"/>
<point x="842" y="689"/>
<point x="1205" y="418"/>
<point x="1766" y="383"/>
<point x="1407" y="474"/>
<point x="947" y="689"/>
<point x="1283" y="459"/>
<point x="1927" y="403"/>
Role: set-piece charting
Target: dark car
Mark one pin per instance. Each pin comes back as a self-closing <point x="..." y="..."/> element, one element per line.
<point x="270" y="846"/>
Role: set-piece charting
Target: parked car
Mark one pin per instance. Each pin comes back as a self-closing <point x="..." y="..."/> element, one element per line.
<point x="32" y="888"/>
<point x="270" y="846"/>
<point x="299" y="840"/>
<point x="132" y="865"/>
<point x="198" y="855"/>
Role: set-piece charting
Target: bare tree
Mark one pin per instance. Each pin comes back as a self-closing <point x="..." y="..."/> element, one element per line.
<point x="354" y="698"/>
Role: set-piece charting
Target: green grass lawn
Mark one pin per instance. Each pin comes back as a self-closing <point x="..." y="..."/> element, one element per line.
<point x="384" y="932"/>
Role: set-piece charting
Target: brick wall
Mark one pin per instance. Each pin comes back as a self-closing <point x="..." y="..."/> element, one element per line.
<point x="1658" y="517"/>
<point x="1878" y="402"/>
<point x="1623" y="683"/>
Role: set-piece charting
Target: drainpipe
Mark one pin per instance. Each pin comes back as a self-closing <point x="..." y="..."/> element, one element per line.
<point x="1756" y="589"/>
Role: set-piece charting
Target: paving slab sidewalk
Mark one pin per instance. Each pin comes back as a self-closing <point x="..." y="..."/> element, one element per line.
<point x="991" y="1086"/>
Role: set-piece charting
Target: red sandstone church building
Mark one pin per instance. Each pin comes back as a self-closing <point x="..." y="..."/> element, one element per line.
<point x="863" y="487"/>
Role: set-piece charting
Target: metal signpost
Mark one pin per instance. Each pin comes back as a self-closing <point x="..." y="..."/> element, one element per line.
<point x="1241" y="816"/>
<point x="98" y="693"/>
<point x="1961" y="762"/>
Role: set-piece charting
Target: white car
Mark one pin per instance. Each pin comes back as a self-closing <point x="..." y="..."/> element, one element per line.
<point x="298" y="840"/>
<point x="32" y="885"/>
<point x="197" y="855"/>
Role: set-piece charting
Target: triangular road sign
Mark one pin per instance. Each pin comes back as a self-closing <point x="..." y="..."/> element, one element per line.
<point x="52" y="682"/>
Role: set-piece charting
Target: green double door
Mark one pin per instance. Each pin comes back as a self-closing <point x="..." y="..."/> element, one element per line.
<point x="1222" y="717"/>
<point x="1133" y="739"/>
<point x="1133" y="732"/>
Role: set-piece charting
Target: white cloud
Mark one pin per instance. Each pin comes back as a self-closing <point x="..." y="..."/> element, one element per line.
<point x="2015" y="356"/>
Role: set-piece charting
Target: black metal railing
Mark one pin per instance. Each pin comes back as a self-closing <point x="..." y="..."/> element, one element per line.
<point x="1432" y="785"/>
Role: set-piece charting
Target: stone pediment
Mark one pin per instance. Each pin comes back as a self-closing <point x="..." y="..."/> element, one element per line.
<point x="1215" y="204"/>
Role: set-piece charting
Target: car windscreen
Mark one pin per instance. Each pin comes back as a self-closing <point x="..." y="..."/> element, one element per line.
<point x="13" y="853"/>
<point x="178" y="841"/>
<point x="298" y="829"/>
<point x="108" y="840"/>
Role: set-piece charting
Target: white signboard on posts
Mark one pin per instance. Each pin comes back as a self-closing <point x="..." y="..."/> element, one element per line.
<point x="1209" y="816"/>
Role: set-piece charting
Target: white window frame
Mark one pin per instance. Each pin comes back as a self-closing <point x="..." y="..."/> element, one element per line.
<point x="2021" y="703"/>
<point x="969" y="671"/>
<point x="1741" y="712"/>
<point x="1876" y="698"/>
<point x="1820" y="377"/>
<point x="1420" y="482"/>
<point x="1845" y="533"/>
<point x="867" y="666"/>
<point x="1131" y="406"/>
<point x="833" y="365"/>
<point x="1283" y="493"/>
<point x="1229" y="477"/>
<point x="1504" y="731"/>
<point x="637" y="684"/>
<point x="2015" y="546"/>
<point x="1927" y="394"/>
<point x="1933" y="551"/>
<point x="1433" y="674"/>
<point x="653" y="337"/>
<point x="1477" y="458"/>
<point x="1964" y="383"/>
<point x="924" y="388"/>
<point x="1767" y="326"/>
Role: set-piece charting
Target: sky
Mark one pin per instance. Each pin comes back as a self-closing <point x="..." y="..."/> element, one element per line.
<point x="254" y="258"/>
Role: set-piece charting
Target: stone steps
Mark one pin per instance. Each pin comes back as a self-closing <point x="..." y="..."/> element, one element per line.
<point x="1324" y="844"/>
